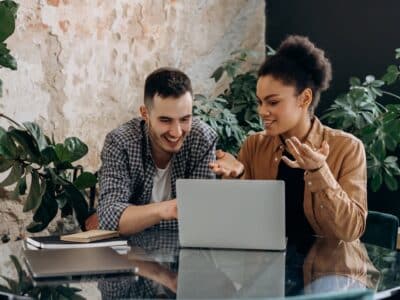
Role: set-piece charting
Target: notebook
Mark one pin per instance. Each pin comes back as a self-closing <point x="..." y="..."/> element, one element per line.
<point x="76" y="262"/>
<point x="237" y="214"/>
<point x="89" y="236"/>
<point x="54" y="242"/>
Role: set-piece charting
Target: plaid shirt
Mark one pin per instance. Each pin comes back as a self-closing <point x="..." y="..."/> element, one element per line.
<point x="128" y="169"/>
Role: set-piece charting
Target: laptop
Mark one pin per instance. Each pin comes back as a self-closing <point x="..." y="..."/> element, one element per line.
<point x="53" y="263"/>
<point x="236" y="214"/>
<point x="230" y="274"/>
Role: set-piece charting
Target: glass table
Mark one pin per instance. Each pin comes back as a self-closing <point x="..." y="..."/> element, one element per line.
<point x="309" y="266"/>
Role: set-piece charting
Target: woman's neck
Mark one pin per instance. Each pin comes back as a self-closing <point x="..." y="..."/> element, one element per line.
<point x="300" y="131"/>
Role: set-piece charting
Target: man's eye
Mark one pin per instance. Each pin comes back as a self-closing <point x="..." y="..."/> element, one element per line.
<point x="164" y="120"/>
<point x="273" y="103"/>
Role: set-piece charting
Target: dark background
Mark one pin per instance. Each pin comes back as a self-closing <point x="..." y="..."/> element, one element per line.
<point x="359" y="37"/>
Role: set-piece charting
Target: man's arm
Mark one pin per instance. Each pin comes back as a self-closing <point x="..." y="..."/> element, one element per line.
<point x="136" y="218"/>
<point x="115" y="211"/>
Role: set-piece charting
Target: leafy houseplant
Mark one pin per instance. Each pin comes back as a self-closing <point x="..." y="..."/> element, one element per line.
<point x="8" y="11"/>
<point x="54" y="181"/>
<point x="233" y="114"/>
<point x="358" y="111"/>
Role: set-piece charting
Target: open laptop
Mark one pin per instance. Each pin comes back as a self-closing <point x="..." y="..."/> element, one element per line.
<point x="76" y="262"/>
<point x="230" y="274"/>
<point x="237" y="214"/>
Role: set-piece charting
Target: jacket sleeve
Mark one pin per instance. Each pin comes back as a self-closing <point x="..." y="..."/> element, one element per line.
<point x="340" y="205"/>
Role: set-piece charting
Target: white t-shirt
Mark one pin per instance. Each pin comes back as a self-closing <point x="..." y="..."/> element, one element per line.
<point x="161" y="185"/>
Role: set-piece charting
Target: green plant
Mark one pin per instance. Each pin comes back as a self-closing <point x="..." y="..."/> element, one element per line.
<point x="233" y="114"/>
<point x="222" y="120"/>
<point x="24" y="286"/>
<point x="53" y="182"/>
<point x="359" y="111"/>
<point x="8" y="12"/>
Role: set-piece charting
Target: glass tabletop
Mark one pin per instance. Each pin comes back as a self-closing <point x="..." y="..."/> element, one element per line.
<point x="309" y="266"/>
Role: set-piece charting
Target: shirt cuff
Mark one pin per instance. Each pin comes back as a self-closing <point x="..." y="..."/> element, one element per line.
<point x="320" y="179"/>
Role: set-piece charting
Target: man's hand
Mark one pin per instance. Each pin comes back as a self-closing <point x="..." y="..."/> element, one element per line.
<point x="168" y="209"/>
<point x="226" y="165"/>
<point x="305" y="157"/>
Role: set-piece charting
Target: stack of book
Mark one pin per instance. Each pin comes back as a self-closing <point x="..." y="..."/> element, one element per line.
<point x="86" y="239"/>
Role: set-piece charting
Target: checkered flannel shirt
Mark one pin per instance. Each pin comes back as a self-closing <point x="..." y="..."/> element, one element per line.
<point x="127" y="172"/>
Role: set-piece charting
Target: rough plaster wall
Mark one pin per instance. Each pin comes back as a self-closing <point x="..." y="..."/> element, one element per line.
<point x="82" y="64"/>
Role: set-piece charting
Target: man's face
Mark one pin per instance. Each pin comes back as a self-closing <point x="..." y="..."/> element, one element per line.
<point x="169" y="120"/>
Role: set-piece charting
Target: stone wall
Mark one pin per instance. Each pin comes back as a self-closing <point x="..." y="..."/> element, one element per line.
<point x="82" y="64"/>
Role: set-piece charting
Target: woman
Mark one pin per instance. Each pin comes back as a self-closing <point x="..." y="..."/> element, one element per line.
<point x="324" y="169"/>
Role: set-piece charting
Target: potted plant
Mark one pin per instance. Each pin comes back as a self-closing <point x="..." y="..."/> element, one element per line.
<point x="36" y="164"/>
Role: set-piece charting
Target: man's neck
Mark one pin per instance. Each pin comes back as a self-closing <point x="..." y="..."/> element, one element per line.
<point x="161" y="159"/>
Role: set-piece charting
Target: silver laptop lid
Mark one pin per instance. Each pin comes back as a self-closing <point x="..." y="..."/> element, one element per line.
<point x="241" y="214"/>
<point x="76" y="262"/>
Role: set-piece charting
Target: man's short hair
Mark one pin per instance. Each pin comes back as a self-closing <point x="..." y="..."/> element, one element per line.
<point x="166" y="82"/>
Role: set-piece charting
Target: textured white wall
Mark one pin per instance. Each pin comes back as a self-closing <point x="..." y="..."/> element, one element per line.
<point x="82" y="64"/>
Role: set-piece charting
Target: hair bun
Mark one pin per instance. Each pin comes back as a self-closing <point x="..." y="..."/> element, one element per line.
<point x="303" y="52"/>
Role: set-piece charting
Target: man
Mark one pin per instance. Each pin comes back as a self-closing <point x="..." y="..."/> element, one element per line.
<point x="143" y="158"/>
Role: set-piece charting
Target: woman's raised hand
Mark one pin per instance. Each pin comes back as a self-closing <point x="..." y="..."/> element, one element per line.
<point x="226" y="165"/>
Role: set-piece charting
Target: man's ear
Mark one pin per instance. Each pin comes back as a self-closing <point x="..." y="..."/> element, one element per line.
<point x="306" y="98"/>
<point x="144" y="112"/>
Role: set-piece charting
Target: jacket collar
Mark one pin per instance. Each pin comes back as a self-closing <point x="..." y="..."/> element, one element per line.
<point x="314" y="137"/>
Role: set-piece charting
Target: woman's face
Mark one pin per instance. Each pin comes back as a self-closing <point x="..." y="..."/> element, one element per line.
<point x="281" y="109"/>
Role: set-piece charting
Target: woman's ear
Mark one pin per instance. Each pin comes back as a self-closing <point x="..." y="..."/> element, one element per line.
<point x="306" y="97"/>
<point x="144" y="113"/>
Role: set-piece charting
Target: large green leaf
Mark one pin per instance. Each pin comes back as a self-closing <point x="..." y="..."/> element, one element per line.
<point x="57" y="179"/>
<point x="7" y="19"/>
<point x="28" y="144"/>
<point x="8" y="149"/>
<point x="8" y="61"/>
<point x="19" y="189"/>
<point x="76" y="147"/>
<point x="37" y="134"/>
<point x="390" y="181"/>
<point x="48" y="155"/>
<point x="15" y="174"/>
<point x="78" y="201"/>
<point x="46" y="211"/>
<point x="5" y="164"/>
<point x="35" y="193"/>
<point x="376" y="182"/>
<point x="85" y="180"/>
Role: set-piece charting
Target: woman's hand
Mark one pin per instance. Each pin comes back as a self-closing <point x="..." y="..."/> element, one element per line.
<point x="226" y="165"/>
<point x="305" y="157"/>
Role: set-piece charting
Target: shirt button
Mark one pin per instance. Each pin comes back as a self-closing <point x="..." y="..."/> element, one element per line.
<point x="321" y="206"/>
<point x="309" y="183"/>
<point x="276" y="159"/>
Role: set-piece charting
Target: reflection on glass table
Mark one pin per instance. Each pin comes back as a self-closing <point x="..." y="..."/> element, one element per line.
<point x="313" y="267"/>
